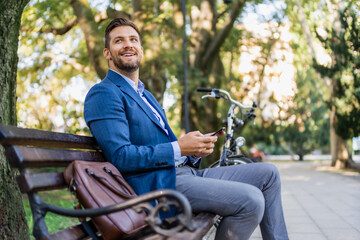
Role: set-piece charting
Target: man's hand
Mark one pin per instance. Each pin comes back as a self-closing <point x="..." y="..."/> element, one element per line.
<point x="197" y="144"/>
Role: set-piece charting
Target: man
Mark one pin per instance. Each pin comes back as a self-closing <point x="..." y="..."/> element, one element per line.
<point x="131" y="128"/>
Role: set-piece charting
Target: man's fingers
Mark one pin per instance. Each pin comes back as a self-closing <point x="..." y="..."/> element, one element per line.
<point x="196" y="143"/>
<point x="197" y="133"/>
<point x="206" y="145"/>
<point x="207" y="139"/>
<point x="204" y="152"/>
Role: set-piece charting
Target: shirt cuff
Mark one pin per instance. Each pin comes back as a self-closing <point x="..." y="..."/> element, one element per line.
<point x="180" y="159"/>
<point x="177" y="151"/>
<point x="195" y="161"/>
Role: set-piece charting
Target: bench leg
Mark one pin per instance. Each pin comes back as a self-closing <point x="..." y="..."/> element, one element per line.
<point x="40" y="230"/>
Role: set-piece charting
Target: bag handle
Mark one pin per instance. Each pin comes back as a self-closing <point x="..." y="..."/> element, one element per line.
<point x="120" y="180"/>
<point x="107" y="184"/>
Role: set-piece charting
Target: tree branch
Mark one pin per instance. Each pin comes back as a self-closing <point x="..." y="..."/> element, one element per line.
<point x="111" y="13"/>
<point x="222" y="34"/>
<point x="219" y="16"/>
<point x="56" y="31"/>
<point x="92" y="34"/>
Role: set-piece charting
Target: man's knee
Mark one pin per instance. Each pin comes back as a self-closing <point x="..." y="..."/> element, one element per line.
<point x="254" y="206"/>
<point x="259" y="205"/>
<point x="271" y="174"/>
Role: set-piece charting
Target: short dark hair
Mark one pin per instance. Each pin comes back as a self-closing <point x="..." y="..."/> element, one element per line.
<point x="118" y="22"/>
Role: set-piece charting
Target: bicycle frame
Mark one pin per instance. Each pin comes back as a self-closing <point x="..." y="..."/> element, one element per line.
<point x="229" y="154"/>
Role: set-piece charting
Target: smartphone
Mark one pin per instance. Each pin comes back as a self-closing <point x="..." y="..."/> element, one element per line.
<point x="218" y="131"/>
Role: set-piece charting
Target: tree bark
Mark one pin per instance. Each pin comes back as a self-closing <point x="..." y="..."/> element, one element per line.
<point x="339" y="153"/>
<point x="13" y="223"/>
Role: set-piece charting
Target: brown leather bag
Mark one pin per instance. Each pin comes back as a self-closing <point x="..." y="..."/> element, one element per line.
<point x="100" y="184"/>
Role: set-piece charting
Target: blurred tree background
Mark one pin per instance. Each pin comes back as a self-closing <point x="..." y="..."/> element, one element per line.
<point x="298" y="60"/>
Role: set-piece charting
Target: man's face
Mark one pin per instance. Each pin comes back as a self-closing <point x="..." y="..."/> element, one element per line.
<point x="125" y="50"/>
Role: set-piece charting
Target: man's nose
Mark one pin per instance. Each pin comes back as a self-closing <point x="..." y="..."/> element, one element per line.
<point x="128" y="44"/>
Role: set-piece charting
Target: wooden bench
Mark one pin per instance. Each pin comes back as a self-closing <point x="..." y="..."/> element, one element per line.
<point x="30" y="150"/>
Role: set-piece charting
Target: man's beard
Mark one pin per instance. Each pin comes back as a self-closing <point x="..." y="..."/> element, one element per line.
<point x="127" y="67"/>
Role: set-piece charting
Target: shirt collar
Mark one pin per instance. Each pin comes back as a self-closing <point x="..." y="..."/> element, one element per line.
<point x="141" y="87"/>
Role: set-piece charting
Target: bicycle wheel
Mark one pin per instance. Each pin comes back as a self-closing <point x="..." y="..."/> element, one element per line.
<point x="235" y="160"/>
<point x="215" y="164"/>
<point x="239" y="159"/>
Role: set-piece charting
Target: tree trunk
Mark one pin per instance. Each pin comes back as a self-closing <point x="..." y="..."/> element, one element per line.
<point x="339" y="153"/>
<point x="206" y="40"/>
<point x="13" y="223"/>
<point x="301" y="154"/>
<point x="93" y="36"/>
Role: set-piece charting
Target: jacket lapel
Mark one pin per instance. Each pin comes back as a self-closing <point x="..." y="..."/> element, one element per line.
<point x="160" y="110"/>
<point x="156" y="105"/>
<point x="128" y="90"/>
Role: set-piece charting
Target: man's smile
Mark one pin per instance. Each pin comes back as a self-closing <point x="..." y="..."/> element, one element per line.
<point x="127" y="54"/>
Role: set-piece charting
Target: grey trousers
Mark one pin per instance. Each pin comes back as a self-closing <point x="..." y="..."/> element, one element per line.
<point x="245" y="195"/>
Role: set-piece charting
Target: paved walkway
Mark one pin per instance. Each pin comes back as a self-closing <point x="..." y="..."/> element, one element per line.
<point x="319" y="203"/>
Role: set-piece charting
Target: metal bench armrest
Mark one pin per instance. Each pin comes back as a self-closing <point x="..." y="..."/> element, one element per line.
<point x="165" y="200"/>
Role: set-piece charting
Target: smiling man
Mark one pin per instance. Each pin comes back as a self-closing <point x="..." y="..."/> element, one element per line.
<point x="121" y="58"/>
<point x="131" y="128"/>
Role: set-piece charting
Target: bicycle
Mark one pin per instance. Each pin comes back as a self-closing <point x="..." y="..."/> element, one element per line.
<point x="230" y="152"/>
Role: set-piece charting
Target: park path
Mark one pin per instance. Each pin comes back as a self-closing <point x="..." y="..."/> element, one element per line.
<point x="319" y="203"/>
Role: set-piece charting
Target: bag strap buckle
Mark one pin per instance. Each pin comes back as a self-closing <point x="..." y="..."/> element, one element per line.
<point x="72" y="190"/>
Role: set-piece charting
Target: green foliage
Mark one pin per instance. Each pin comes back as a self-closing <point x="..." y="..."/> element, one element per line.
<point x="308" y="118"/>
<point x="55" y="72"/>
<point x="345" y="71"/>
<point x="303" y="122"/>
<point x="51" y="68"/>
<point x="54" y="222"/>
<point x="54" y="69"/>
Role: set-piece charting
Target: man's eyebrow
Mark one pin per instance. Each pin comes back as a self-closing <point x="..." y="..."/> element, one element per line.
<point x="131" y="36"/>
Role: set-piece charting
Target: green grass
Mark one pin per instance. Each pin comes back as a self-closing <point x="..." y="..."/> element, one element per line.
<point x="54" y="222"/>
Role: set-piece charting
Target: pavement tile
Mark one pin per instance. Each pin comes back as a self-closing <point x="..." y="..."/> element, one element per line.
<point x="354" y="222"/>
<point x="303" y="228"/>
<point x="332" y="223"/>
<point x="319" y="204"/>
<point x="306" y="236"/>
<point x="290" y="220"/>
<point x="341" y="234"/>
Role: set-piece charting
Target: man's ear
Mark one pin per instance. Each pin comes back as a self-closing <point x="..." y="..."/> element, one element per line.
<point x="106" y="53"/>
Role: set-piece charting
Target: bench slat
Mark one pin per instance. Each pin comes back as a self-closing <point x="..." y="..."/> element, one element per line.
<point x="11" y="135"/>
<point x="28" y="157"/>
<point x="75" y="232"/>
<point x="40" y="181"/>
<point x="203" y="222"/>
<point x="31" y="148"/>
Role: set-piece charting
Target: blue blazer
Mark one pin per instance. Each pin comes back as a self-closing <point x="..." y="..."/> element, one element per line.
<point x="129" y="134"/>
